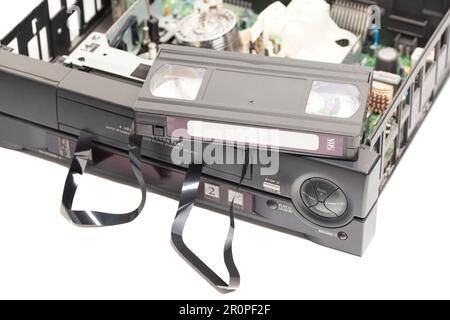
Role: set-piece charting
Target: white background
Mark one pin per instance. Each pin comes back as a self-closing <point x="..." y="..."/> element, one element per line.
<point x="43" y="256"/>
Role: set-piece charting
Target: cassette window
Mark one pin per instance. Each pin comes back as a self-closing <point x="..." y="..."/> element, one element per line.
<point x="177" y="82"/>
<point x="335" y="100"/>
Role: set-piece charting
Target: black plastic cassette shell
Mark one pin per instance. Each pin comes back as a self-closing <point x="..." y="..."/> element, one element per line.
<point x="216" y="105"/>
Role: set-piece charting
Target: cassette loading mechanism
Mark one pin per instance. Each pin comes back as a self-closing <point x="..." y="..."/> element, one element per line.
<point x="292" y="106"/>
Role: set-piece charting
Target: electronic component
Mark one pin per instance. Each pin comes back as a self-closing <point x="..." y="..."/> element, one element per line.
<point x="387" y="77"/>
<point x="373" y="51"/>
<point x="387" y="60"/>
<point x="380" y="97"/>
<point x="417" y="54"/>
<point x="153" y="25"/>
<point x="372" y="121"/>
<point x="147" y="39"/>
<point x="405" y="45"/>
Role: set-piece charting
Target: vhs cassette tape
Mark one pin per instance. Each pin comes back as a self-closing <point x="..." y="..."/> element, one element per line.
<point x="293" y="106"/>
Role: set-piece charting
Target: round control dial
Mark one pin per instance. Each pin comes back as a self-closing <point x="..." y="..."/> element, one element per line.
<point x="323" y="198"/>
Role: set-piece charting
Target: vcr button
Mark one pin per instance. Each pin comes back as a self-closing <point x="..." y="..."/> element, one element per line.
<point x="324" y="188"/>
<point x="323" y="212"/>
<point x="337" y="203"/>
<point x="308" y="194"/>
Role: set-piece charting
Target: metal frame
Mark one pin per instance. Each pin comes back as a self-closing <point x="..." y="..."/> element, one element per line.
<point x="412" y="101"/>
<point x="58" y="34"/>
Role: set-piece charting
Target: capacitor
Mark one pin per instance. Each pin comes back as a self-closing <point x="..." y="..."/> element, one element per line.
<point x="376" y="37"/>
<point x="387" y="60"/>
<point x="153" y="24"/>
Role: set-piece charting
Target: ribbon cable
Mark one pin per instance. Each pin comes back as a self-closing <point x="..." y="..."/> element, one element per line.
<point x="82" y="156"/>
<point x="188" y="197"/>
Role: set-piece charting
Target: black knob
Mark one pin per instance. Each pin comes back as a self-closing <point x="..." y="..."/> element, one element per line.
<point x="323" y="199"/>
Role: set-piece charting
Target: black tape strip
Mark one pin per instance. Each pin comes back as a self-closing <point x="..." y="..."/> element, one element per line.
<point x="82" y="155"/>
<point x="187" y="202"/>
